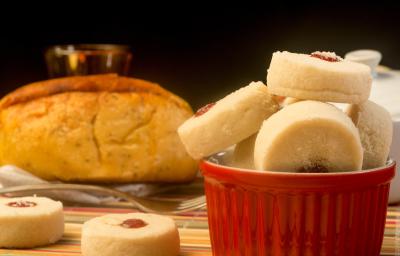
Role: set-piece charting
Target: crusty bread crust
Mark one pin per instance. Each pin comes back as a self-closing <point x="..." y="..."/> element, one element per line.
<point x="92" y="83"/>
<point x="101" y="128"/>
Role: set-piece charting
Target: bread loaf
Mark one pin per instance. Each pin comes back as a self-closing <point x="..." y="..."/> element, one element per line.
<point x="100" y="128"/>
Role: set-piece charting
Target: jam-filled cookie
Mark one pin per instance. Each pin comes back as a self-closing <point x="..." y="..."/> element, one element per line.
<point x="133" y="234"/>
<point x="321" y="76"/>
<point x="308" y="136"/>
<point x="27" y="222"/>
<point x="228" y="121"/>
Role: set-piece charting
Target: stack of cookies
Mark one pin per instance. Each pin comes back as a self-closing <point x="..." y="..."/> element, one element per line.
<point x="293" y="124"/>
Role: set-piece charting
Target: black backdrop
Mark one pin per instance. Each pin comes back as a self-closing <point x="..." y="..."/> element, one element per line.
<point x="198" y="53"/>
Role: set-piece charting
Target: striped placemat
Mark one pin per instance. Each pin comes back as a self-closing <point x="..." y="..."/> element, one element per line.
<point x="391" y="241"/>
<point x="193" y="229"/>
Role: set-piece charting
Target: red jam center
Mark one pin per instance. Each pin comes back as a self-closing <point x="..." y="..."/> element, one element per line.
<point x="133" y="223"/>
<point x="314" y="169"/>
<point x="204" y="109"/>
<point x="21" y="204"/>
<point x="324" y="57"/>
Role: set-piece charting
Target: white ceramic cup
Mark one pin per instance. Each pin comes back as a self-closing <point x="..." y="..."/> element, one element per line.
<point x="368" y="57"/>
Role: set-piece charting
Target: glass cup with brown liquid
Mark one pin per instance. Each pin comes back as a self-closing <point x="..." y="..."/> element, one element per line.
<point x="85" y="59"/>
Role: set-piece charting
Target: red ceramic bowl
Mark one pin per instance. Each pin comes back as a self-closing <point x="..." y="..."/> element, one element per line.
<point x="273" y="213"/>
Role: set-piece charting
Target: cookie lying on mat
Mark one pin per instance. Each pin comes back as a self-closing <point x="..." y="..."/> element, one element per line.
<point x="133" y="234"/>
<point x="27" y="222"/>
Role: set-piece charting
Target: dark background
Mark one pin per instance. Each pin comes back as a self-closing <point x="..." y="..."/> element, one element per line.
<point x="200" y="53"/>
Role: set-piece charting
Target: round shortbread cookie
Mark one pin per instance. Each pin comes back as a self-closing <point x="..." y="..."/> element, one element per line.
<point x="232" y="119"/>
<point x="321" y="76"/>
<point x="290" y="100"/>
<point x="27" y="222"/>
<point x="308" y="136"/>
<point x="132" y="234"/>
<point x="243" y="154"/>
<point x="375" y="127"/>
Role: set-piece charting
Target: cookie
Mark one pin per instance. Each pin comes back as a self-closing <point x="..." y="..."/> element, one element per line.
<point x="133" y="234"/>
<point x="27" y="222"/>
<point x="243" y="153"/>
<point x="289" y="100"/>
<point x="308" y="136"/>
<point x="228" y="121"/>
<point x="321" y="76"/>
<point x="375" y="127"/>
